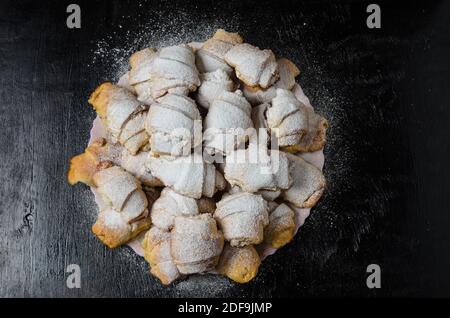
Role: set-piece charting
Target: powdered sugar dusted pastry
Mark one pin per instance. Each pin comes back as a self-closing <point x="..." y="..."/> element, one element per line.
<point x="315" y="137"/>
<point x="156" y="245"/>
<point x="140" y="73"/>
<point x="189" y="176"/>
<point x="242" y="218"/>
<point x="173" y="70"/>
<point x="196" y="243"/>
<point x="253" y="66"/>
<point x="136" y="166"/>
<point x="168" y="206"/>
<point x="213" y="84"/>
<point x="308" y="184"/>
<point x="101" y="154"/>
<point x="210" y="57"/>
<point x="287" y="118"/>
<point x="240" y="264"/>
<point x="125" y="206"/>
<point x="280" y="230"/>
<point x="171" y="124"/>
<point x="226" y="123"/>
<point x="122" y="115"/>
<point x="287" y="70"/>
<point x="255" y="169"/>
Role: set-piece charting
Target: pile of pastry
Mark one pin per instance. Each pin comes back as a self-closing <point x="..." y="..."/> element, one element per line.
<point x="207" y="210"/>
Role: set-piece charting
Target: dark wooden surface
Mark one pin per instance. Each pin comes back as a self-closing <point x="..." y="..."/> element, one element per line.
<point x="386" y="95"/>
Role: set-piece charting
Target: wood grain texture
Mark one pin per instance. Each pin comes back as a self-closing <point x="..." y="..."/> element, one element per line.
<point x="384" y="92"/>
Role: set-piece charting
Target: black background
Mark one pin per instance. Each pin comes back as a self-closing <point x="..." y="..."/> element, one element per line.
<point x="386" y="95"/>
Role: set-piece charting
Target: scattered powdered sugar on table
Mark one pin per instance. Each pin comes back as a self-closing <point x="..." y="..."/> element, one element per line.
<point x="175" y="28"/>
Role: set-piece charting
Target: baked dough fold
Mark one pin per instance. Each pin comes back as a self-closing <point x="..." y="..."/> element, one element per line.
<point x="124" y="214"/>
<point x="253" y="66"/>
<point x="242" y="217"/>
<point x="287" y="118"/>
<point x="308" y="183"/>
<point x="210" y="57"/>
<point x="196" y="243"/>
<point x="122" y="114"/>
<point x="190" y="176"/>
<point x="255" y="168"/>
<point x="227" y="122"/>
<point x="156" y="245"/>
<point x="172" y="124"/>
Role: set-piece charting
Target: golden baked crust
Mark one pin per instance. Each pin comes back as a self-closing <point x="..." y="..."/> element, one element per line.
<point x="240" y="264"/>
<point x="114" y="237"/>
<point x="281" y="228"/>
<point x="156" y="245"/>
<point x="100" y="97"/>
<point x="315" y="138"/>
<point x="85" y="165"/>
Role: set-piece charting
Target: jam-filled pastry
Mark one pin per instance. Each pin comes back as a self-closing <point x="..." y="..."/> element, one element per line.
<point x="287" y="118"/>
<point x="242" y="217"/>
<point x="122" y="115"/>
<point x="168" y="206"/>
<point x="173" y="70"/>
<point x="253" y="66"/>
<point x="140" y="74"/>
<point x="213" y="84"/>
<point x="227" y="122"/>
<point x="171" y="124"/>
<point x="255" y="168"/>
<point x="210" y="57"/>
<point x="196" y="243"/>
<point x="240" y="264"/>
<point x="190" y="176"/>
<point x="280" y="230"/>
<point x="124" y="214"/>
<point x="308" y="183"/>
<point x="156" y="245"/>
<point x="288" y="71"/>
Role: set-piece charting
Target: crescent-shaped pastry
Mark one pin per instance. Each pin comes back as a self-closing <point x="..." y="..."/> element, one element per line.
<point x="169" y="205"/>
<point x="213" y="84"/>
<point x="253" y="66"/>
<point x="210" y="57"/>
<point x="173" y="70"/>
<point x="122" y="115"/>
<point x="140" y="74"/>
<point x="287" y="118"/>
<point x="101" y="154"/>
<point x="255" y="169"/>
<point x="125" y="212"/>
<point x="190" y="176"/>
<point x="156" y="245"/>
<point x="240" y="264"/>
<point x="288" y="72"/>
<point x="227" y="123"/>
<point x="196" y="243"/>
<point x="242" y="217"/>
<point x="308" y="183"/>
<point x="172" y="124"/>
<point x="280" y="230"/>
